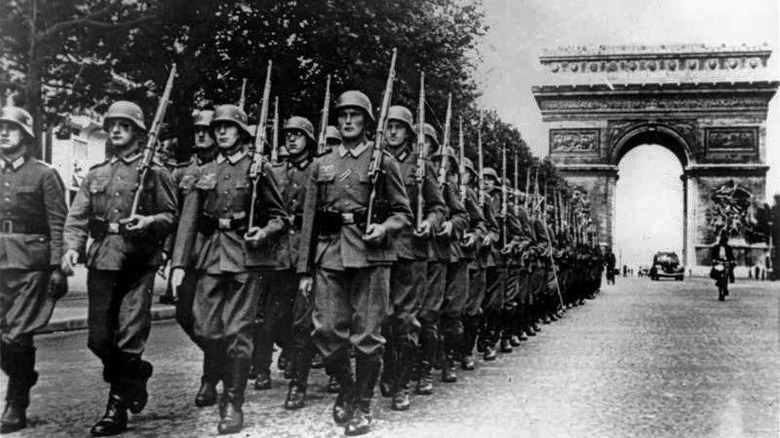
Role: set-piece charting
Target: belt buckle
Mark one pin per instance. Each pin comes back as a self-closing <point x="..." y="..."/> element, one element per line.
<point x="113" y="228"/>
<point x="8" y="226"/>
<point x="224" y="223"/>
<point x="347" y="218"/>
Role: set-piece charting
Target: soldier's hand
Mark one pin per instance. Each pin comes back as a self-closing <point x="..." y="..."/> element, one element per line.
<point x="255" y="236"/>
<point x="446" y="229"/>
<point x="177" y="276"/>
<point x="58" y="284"/>
<point x="375" y="233"/>
<point x="469" y="240"/>
<point x="424" y="230"/>
<point x="305" y="285"/>
<point x="137" y="224"/>
<point x="69" y="260"/>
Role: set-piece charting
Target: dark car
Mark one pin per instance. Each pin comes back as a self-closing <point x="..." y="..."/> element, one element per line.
<point x="666" y="264"/>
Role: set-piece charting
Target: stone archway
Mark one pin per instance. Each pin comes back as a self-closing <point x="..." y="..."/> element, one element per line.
<point x="707" y="105"/>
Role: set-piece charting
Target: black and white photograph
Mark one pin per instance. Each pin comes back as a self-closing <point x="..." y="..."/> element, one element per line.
<point x="390" y="218"/>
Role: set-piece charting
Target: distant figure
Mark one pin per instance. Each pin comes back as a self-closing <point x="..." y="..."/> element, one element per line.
<point x="609" y="261"/>
<point x="625" y="271"/>
<point x="757" y="271"/>
<point x="722" y="253"/>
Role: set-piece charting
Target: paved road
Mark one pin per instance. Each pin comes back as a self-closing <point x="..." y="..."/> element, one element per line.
<point x="645" y="359"/>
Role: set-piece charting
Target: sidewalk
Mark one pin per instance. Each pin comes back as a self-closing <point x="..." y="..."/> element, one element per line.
<point x="70" y="313"/>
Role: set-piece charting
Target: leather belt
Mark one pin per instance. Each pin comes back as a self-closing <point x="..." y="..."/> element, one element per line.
<point x="9" y="226"/>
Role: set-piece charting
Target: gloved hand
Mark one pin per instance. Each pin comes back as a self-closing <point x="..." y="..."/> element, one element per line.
<point x="58" y="284"/>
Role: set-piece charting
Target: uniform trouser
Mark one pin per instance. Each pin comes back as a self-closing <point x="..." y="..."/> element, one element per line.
<point x="511" y="301"/>
<point x="225" y="308"/>
<point x="119" y="319"/>
<point x="456" y="294"/>
<point x="24" y="307"/>
<point x="472" y="312"/>
<point x="185" y="296"/>
<point x="430" y="310"/>
<point x="520" y="315"/>
<point x="496" y="277"/>
<point x="274" y="324"/>
<point x="301" y="345"/>
<point x="402" y="329"/>
<point x="350" y="306"/>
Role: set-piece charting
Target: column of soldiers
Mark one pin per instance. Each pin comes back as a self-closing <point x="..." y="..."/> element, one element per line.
<point x="400" y="259"/>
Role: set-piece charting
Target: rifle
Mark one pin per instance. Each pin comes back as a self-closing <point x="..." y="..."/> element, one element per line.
<point x="322" y="143"/>
<point x="503" y="197"/>
<point x="527" y="188"/>
<point x="151" y="142"/>
<point x="419" y="171"/>
<point x="375" y="167"/>
<point x="258" y="148"/>
<point x="515" y="185"/>
<point x="275" y="141"/>
<point x="536" y="204"/>
<point x="242" y="99"/>
<point x="480" y="165"/>
<point x="462" y="163"/>
<point x="445" y="162"/>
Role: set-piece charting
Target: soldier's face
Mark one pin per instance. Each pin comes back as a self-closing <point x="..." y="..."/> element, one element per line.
<point x="227" y="135"/>
<point x="121" y="132"/>
<point x="352" y="123"/>
<point x="10" y="136"/>
<point x="489" y="183"/>
<point x="295" y="141"/>
<point x="467" y="177"/>
<point x="397" y="133"/>
<point x="202" y="138"/>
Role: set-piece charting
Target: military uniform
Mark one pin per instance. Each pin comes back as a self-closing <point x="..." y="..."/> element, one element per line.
<point x="121" y="265"/>
<point x="496" y="278"/>
<point x="32" y="216"/>
<point x="351" y="276"/>
<point x="408" y="274"/>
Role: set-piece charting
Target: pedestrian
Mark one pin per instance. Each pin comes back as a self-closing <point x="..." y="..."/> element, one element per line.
<point x="122" y="259"/>
<point x="31" y="281"/>
<point x="609" y="260"/>
<point x="408" y="274"/>
<point x="722" y="253"/>
<point x="347" y="258"/>
<point x="231" y="252"/>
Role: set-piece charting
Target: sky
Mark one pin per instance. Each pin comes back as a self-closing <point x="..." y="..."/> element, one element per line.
<point x="520" y="29"/>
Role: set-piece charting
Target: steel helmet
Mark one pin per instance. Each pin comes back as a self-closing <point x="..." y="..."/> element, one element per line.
<point x="469" y="165"/>
<point x="231" y="113"/>
<point x="401" y="114"/>
<point x="123" y="109"/>
<point x="332" y="133"/>
<point x="203" y="118"/>
<point x="429" y="131"/>
<point x="450" y="153"/>
<point x="300" y="124"/>
<point x="491" y="173"/>
<point x="356" y="99"/>
<point x="18" y="116"/>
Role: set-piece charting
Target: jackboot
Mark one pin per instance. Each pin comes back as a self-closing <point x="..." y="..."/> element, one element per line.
<point x="340" y="368"/>
<point x="406" y="356"/>
<point x="426" y="353"/>
<point x="138" y="395"/>
<point x="299" y="365"/>
<point x="333" y="386"/>
<point x="448" y="374"/>
<point x="367" y="374"/>
<point x="19" y="362"/>
<point x="114" y="421"/>
<point x="234" y="385"/>
<point x="263" y="380"/>
<point x="212" y="374"/>
<point x="387" y="383"/>
<point x="470" y="328"/>
<point x="506" y="343"/>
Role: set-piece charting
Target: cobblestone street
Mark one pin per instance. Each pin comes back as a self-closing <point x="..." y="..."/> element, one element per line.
<point x="646" y="359"/>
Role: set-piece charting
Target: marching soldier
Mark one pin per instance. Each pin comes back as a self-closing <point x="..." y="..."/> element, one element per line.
<point x="230" y="258"/>
<point x="496" y="275"/>
<point x="472" y="312"/>
<point x="447" y="245"/>
<point x="348" y="255"/>
<point x="517" y="284"/>
<point x="32" y="196"/>
<point x="205" y="151"/>
<point x="408" y="274"/>
<point x="288" y="311"/>
<point x="122" y="259"/>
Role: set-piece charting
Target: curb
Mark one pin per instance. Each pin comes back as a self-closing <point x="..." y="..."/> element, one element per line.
<point x="80" y="323"/>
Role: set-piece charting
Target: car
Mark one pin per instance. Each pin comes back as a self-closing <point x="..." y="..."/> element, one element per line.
<point x="644" y="271"/>
<point x="666" y="265"/>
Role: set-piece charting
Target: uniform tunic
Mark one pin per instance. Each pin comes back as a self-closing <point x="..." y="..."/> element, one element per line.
<point x="32" y="215"/>
<point x="352" y="277"/>
<point x="214" y="220"/>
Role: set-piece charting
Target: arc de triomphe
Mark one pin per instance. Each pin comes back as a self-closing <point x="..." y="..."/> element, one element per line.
<point x="708" y="105"/>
